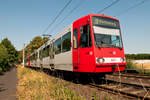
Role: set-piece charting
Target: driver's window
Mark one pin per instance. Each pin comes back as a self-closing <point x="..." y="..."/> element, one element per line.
<point x="115" y="40"/>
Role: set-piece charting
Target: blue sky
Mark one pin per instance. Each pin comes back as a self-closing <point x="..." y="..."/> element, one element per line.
<point x="22" y="20"/>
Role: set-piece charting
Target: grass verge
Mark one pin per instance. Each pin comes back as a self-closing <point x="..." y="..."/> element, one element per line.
<point x="34" y="85"/>
<point x="130" y="65"/>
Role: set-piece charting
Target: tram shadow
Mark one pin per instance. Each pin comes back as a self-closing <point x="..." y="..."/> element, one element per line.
<point x="75" y="77"/>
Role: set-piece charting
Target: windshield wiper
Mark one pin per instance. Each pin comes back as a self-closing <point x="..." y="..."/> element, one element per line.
<point x="117" y="47"/>
<point x="98" y="45"/>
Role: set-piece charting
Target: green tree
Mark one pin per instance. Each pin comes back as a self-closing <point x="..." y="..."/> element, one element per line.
<point x="20" y="56"/>
<point x="12" y="52"/>
<point x="3" y="58"/>
<point x="45" y="39"/>
<point x="138" y="56"/>
<point x="34" y="44"/>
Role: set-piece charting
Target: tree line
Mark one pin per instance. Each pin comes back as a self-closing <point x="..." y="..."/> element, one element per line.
<point x="8" y="55"/>
<point x="34" y="44"/>
<point x="137" y="56"/>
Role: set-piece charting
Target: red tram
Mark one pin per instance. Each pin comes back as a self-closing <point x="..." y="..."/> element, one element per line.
<point x="91" y="44"/>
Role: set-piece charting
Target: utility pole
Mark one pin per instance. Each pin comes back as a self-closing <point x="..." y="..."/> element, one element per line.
<point x="46" y="35"/>
<point x="23" y="55"/>
<point x="1" y="37"/>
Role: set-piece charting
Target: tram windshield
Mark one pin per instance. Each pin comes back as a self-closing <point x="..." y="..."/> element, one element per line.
<point x="106" y="32"/>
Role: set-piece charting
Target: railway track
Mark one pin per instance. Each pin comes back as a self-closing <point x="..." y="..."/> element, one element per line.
<point x="142" y="76"/>
<point x="136" y="79"/>
<point x="128" y="90"/>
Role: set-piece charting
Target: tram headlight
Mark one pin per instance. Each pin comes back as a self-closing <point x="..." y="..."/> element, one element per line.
<point x="100" y="60"/>
<point x="122" y="59"/>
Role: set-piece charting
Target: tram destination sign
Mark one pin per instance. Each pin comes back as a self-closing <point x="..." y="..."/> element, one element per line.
<point x="105" y="22"/>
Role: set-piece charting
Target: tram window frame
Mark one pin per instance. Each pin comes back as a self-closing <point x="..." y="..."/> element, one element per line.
<point x="66" y="42"/>
<point x="75" y="38"/>
<point x="85" y="33"/>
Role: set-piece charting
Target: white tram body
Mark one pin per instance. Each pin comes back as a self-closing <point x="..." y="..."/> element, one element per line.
<point x="45" y="56"/>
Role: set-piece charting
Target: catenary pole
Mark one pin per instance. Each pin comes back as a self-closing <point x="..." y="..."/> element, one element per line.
<point x="23" y="54"/>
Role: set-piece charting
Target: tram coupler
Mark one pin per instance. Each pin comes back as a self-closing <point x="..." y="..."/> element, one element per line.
<point x="114" y="67"/>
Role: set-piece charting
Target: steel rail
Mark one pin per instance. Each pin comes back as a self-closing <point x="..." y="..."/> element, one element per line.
<point x="133" y="75"/>
<point x="119" y="91"/>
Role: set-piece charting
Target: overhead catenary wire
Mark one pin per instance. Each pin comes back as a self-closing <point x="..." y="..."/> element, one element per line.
<point x="61" y="11"/>
<point x="77" y="6"/>
<point x="70" y="12"/>
<point x="110" y="5"/>
<point x="130" y="8"/>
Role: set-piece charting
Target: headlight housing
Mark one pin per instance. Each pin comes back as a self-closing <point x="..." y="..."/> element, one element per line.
<point x="100" y="60"/>
<point x="122" y="59"/>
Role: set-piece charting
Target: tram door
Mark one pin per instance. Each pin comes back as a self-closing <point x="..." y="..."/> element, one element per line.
<point x="82" y="46"/>
<point x="75" y="47"/>
<point x="85" y="50"/>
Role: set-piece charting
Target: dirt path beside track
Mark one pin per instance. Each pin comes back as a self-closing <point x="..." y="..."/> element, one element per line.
<point x="8" y="83"/>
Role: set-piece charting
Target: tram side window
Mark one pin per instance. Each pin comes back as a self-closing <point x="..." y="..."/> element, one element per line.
<point x="66" y="42"/>
<point x="58" y="46"/>
<point x="36" y="56"/>
<point x="30" y="57"/>
<point x="85" y="40"/>
<point x="45" y="51"/>
<point x="43" y="54"/>
<point x="33" y="57"/>
<point x="40" y="54"/>
<point x="75" y="39"/>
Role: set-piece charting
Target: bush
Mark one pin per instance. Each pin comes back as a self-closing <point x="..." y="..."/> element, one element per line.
<point x="138" y="56"/>
<point x="130" y="65"/>
<point x="8" y="55"/>
<point x="3" y="58"/>
<point x="0" y="70"/>
<point x="12" y="52"/>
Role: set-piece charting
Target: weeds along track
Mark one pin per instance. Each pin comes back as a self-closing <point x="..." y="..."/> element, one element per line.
<point x="116" y="84"/>
<point x="128" y="90"/>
